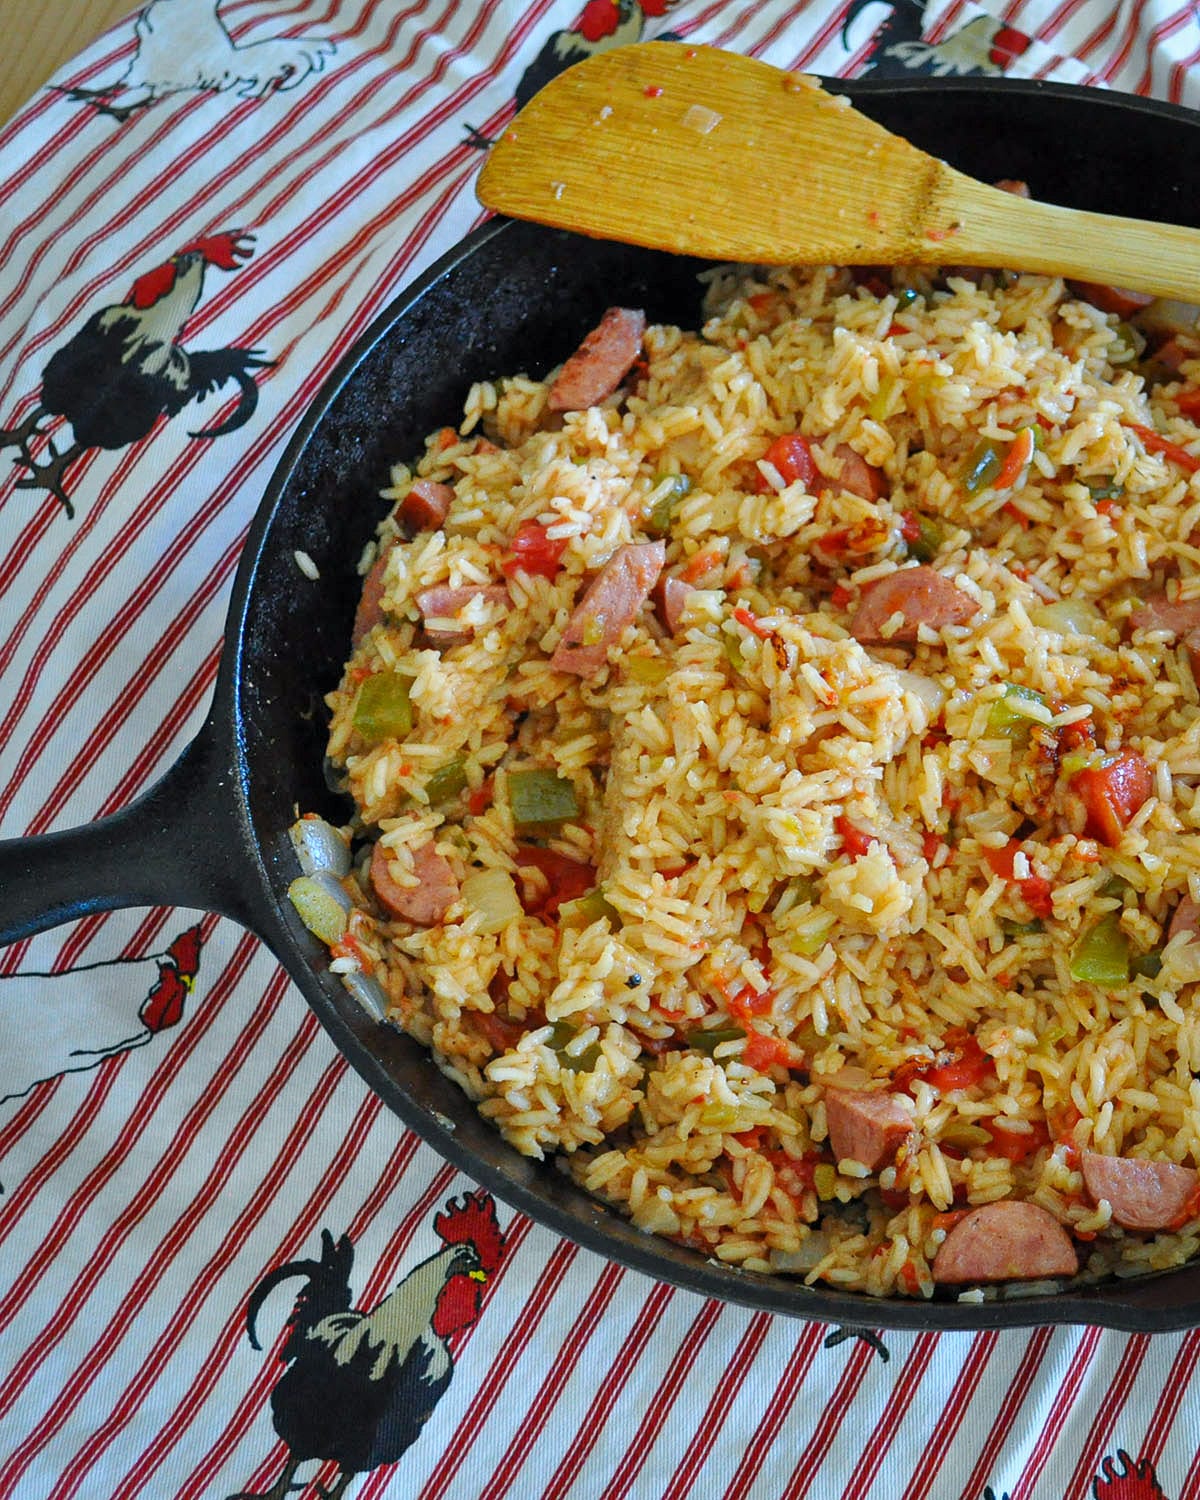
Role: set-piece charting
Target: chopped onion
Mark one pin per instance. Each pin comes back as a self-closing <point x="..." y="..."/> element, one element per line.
<point x="492" y="894"/>
<point x="322" y="905"/>
<point x="812" y="1250"/>
<point x="1165" y="316"/>
<point x="368" y="992"/>
<point x="319" y="846"/>
<point x="1069" y="617"/>
<point x="931" y="693"/>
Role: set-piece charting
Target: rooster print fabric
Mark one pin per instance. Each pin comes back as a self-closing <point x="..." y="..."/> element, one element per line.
<point x="227" y="1269"/>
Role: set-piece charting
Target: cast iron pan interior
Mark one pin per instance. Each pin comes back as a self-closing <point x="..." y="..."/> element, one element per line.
<point x="514" y="297"/>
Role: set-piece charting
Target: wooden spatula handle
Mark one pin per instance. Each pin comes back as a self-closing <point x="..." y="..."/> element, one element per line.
<point x="996" y="229"/>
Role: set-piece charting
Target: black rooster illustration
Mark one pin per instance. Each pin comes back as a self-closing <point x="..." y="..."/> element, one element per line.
<point x="603" y="24"/>
<point x="125" y="368"/>
<point x="362" y="1384"/>
<point x="984" y="45"/>
<point x="183" y="47"/>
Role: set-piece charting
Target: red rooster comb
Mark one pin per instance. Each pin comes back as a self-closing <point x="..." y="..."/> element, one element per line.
<point x="1134" y="1481"/>
<point x="473" y="1220"/>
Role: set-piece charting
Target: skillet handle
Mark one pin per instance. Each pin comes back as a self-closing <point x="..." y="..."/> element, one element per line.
<point x="177" y="845"/>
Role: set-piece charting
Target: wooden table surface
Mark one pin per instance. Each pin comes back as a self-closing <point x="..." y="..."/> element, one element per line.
<point x="40" y="37"/>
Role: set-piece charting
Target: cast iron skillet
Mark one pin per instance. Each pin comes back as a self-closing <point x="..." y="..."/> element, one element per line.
<point x="213" y="832"/>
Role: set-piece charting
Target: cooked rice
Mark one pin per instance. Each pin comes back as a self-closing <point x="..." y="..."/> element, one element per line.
<point x="710" y="800"/>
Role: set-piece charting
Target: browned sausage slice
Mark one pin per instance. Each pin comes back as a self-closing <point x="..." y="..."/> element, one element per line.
<point x="863" y="1126"/>
<point x="1185" y="918"/>
<point x="1178" y="616"/>
<point x="921" y="596"/>
<point x="1111" y="299"/>
<point x="611" y="602"/>
<point x="424" y="903"/>
<point x="442" y="602"/>
<point x="426" y="505"/>
<point x="671" y="594"/>
<point x="601" y="362"/>
<point x="1005" y="1241"/>
<point x="1142" y="1194"/>
<point x="370" y="605"/>
<point x="857" y="475"/>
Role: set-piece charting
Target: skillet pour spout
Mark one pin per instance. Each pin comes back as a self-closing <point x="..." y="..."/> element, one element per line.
<point x="213" y="833"/>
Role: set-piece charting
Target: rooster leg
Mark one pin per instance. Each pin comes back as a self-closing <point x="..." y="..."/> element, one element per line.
<point x="49" y="476"/>
<point x="339" y="1484"/>
<point x="477" y="139"/>
<point x="18" y="436"/>
<point x="282" y="1487"/>
<point x="99" y="100"/>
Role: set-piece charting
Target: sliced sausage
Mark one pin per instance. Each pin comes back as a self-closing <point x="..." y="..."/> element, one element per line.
<point x="1142" y="1194"/>
<point x="426" y="505"/>
<point x="370" y="605"/>
<point x="1180" y="617"/>
<point x="1185" y="918"/>
<point x="865" y="1127"/>
<point x="425" y="903"/>
<point x="1111" y="299"/>
<point x="612" y="602"/>
<point x="921" y="596"/>
<point x="857" y="475"/>
<point x="671" y="594"/>
<point x="601" y="362"/>
<point x="1005" y="1241"/>
<point x="444" y="603"/>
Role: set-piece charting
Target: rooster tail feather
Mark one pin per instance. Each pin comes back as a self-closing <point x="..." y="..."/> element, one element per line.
<point x="211" y="368"/>
<point x="328" y="1291"/>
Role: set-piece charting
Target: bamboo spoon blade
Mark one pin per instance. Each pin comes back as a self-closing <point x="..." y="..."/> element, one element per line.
<point x="709" y="153"/>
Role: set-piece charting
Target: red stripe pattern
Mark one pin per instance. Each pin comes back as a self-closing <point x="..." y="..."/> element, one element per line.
<point x="152" y="1179"/>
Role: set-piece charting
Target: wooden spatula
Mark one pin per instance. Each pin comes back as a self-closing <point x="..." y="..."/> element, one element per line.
<point x="709" y="153"/>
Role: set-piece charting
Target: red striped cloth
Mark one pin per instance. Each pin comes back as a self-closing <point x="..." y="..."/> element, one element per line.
<point x="162" y="1150"/>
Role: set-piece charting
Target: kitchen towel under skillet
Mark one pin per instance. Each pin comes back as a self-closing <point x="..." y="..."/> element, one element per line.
<point x="174" y="1125"/>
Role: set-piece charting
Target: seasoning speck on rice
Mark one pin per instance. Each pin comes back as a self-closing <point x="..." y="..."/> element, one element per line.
<point x="774" y="754"/>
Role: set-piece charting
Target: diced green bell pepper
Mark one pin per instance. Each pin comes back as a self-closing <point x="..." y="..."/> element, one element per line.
<point x="658" y="522"/>
<point x="983" y="465"/>
<point x="1005" y="718"/>
<point x="930" y="540"/>
<point x="383" y="709"/>
<point x="648" y="670"/>
<point x="561" y="1034"/>
<point x="447" y="781"/>
<point x="589" y="908"/>
<point x="709" y="1041"/>
<point x="539" y="797"/>
<point x="1101" y="955"/>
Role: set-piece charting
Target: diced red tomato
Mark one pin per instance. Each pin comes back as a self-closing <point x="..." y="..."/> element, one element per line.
<point x="763" y="1052"/>
<point x="1112" y="794"/>
<point x="910" y="526"/>
<point x="960" y="1064"/>
<point x="894" y="1197"/>
<point x="748" y="1003"/>
<point x="752" y="1138"/>
<point x="763" y="302"/>
<point x="793" y="1175"/>
<point x="1036" y="891"/>
<point x="947" y="1221"/>
<point x="1189" y="1211"/>
<point x="841" y="596"/>
<point x="752" y="623"/>
<point x="566" y="879"/>
<point x="791" y="458"/>
<point x="533" y="551"/>
<point x="480" y="799"/>
<point x="930" y="844"/>
<point x="1016" y="1145"/>
<point x="1154" y="442"/>
<point x="1188" y="403"/>
<point x="855" y="840"/>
